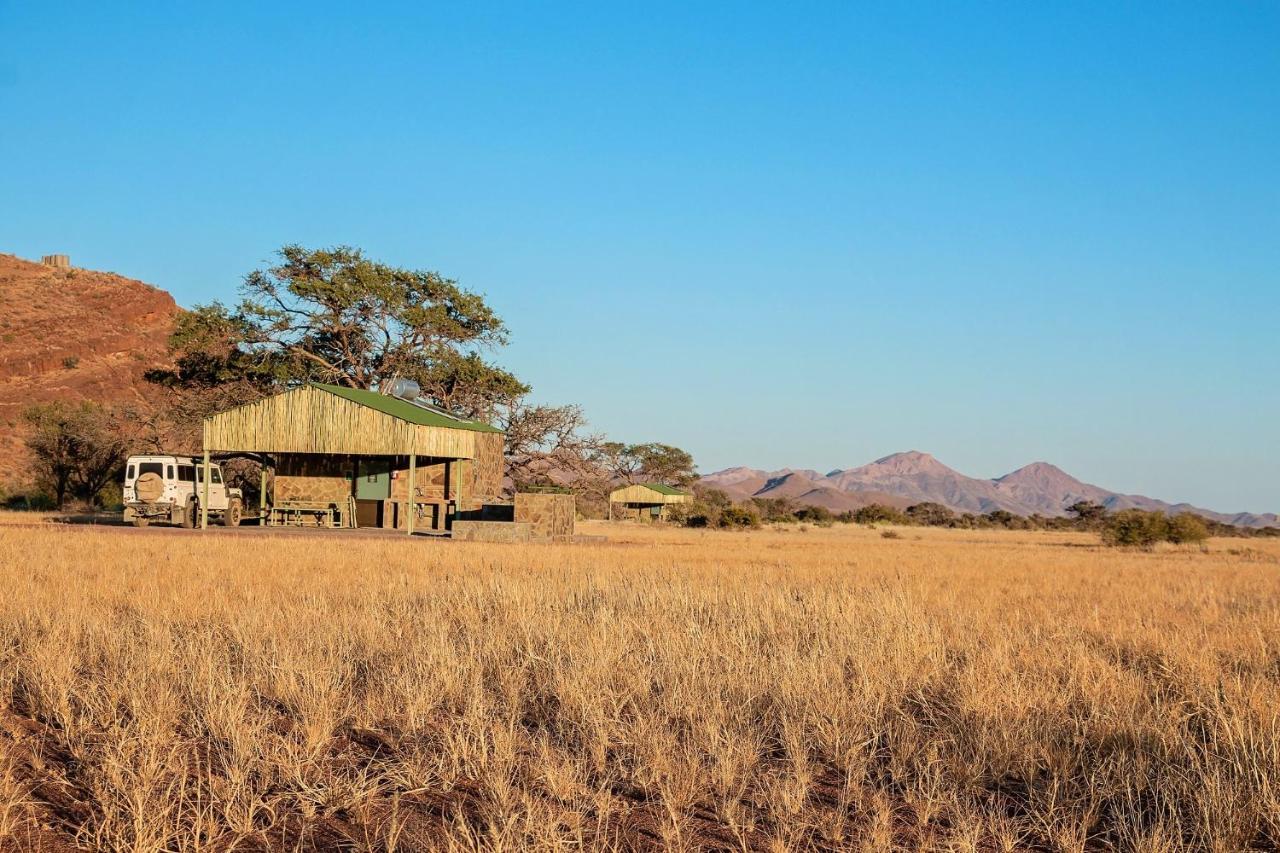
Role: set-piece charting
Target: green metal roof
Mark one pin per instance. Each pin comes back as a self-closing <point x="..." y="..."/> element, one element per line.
<point x="663" y="489"/>
<point x="402" y="409"/>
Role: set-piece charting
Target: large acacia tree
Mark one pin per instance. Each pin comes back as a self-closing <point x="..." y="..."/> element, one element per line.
<point x="333" y="315"/>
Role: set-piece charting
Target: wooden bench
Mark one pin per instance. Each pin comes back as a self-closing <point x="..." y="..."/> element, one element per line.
<point x="309" y="514"/>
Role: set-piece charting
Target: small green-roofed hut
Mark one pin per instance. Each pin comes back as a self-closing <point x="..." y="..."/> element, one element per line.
<point x="645" y="501"/>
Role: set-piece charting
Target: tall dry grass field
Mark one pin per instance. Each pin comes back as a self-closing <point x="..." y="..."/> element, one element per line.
<point x="167" y="690"/>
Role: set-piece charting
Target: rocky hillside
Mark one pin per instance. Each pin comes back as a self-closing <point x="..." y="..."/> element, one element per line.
<point x="72" y="334"/>
<point x="913" y="477"/>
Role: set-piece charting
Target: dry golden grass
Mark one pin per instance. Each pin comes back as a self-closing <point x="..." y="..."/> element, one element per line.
<point x="167" y="690"/>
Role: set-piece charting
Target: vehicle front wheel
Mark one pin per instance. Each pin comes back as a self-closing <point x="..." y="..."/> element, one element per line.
<point x="231" y="518"/>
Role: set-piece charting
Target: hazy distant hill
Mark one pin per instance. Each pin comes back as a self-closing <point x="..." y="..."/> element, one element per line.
<point x="913" y="477"/>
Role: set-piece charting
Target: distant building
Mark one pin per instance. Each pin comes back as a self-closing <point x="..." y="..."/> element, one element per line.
<point x="645" y="501"/>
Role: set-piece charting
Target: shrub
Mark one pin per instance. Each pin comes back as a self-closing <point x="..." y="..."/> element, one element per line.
<point x="31" y="501"/>
<point x="740" y="516"/>
<point x="872" y="513"/>
<point x="1187" y="528"/>
<point x="819" y="515"/>
<point x="932" y="514"/>
<point x="776" y="509"/>
<point x="1135" y="527"/>
<point x="698" y="513"/>
<point x="890" y="534"/>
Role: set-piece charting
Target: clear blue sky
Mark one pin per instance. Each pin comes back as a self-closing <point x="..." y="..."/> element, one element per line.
<point x="804" y="235"/>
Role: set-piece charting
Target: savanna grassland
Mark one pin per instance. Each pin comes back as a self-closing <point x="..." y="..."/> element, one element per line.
<point x="667" y="689"/>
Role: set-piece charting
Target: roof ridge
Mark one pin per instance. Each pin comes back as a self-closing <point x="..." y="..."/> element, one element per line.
<point x="402" y="409"/>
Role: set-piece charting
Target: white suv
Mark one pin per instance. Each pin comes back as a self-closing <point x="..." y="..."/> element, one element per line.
<point x="169" y="488"/>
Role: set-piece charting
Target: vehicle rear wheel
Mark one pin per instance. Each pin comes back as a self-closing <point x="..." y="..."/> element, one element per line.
<point x="231" y="518"/>
<point x="189" y="515"/>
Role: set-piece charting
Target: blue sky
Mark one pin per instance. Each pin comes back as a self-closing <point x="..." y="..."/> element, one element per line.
<point x="805" y="235"/>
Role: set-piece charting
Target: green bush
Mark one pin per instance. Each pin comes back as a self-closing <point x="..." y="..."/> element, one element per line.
<point x="1187" y="528"/>
<point x="816" y="514"/>
<point x="1135" y="528"/>
<point x="740" y="516"/>
<point x="37" y="501"/>
<point x="875" y="513"/>
<point x="1138" y="528"/>
<point x="696" y="513"/>
<point x="932" y="514"/>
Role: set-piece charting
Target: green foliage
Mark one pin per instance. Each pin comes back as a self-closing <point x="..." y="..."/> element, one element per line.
<point x="335" y="316"/>
<point x="776" y="510"/>
<point x="1142" y="529"/>
<point x="740" y="516"/>
<point x="1187" y="528"/>
<point x="71" y="362"/>
<point x="1088" y="514"/>
<point x="1135" y="528"/>
<point x="648" y="463"/>
<point x="879" y="514"/>
<point x="32" y="500"/>
<point x="78" y="449"/>
<point x="931" y="514"/>
<point x="818" y="515"/>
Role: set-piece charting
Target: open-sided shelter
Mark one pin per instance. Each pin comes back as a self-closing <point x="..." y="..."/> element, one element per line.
<point x="645" y="501"/>
<point x="356" y="457"/>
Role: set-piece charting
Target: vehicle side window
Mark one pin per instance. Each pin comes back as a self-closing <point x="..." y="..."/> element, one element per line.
<point x="217" y="475"/>
<point x="128" y="475"/>
<point x="186" y="473"/>
<point x="169" y="473"/>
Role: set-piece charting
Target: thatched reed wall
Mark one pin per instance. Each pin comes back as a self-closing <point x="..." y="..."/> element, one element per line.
<point x="311" y="420"/>
<point x="488" y="466"/>
<point x="645" y="495"/>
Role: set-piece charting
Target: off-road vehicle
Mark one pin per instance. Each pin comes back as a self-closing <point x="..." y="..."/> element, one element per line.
<point x="169" y="488"/>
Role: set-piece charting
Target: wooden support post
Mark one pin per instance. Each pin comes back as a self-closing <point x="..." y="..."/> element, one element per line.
<point x="413" y="482"/>
<point x="207" y="477"/>
<point x="262" y="491"/>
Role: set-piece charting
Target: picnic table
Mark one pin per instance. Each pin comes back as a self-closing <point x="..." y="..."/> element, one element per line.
<point x="311" y="514"/>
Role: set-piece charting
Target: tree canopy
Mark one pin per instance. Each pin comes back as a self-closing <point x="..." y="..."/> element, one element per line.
<point x="78" y="448"/>
<point x="335" y="316"/>
<point x="651" y="462"/>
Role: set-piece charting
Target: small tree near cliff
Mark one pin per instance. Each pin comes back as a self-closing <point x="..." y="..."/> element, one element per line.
<point x="78" y="448"/>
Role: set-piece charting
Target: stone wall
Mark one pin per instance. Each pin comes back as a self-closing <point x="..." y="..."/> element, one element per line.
<point x="318" y="479"/>
<point x="492" y="531"/>
<point x="552" y="516"/>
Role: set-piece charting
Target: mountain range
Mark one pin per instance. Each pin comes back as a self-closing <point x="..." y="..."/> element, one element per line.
<point x="902" y="479"/>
